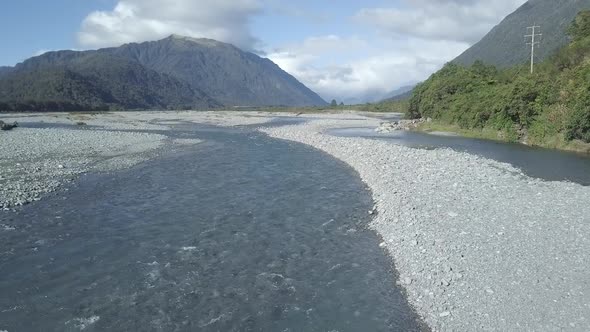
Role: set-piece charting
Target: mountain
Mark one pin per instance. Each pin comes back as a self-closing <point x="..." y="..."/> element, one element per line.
<point x="173" y="73"/>
<point x="4" y="70"/>
<point x="550" y="107"/>
<point x="405" y="92"/>
<point x="226" y="73"/>
<point x="505" y="44"/>
<point x="95" y="79"/>
<point x="376" y="96"/>
<point x="367" y="97"/>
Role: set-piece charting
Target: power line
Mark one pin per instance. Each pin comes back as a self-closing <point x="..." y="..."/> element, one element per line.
<point x="533" y="43"/>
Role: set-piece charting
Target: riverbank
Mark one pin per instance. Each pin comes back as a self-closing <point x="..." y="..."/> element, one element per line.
<point x="535" y="137"/>
<point x="556" y="142"/>
<point x="479" y="245"/>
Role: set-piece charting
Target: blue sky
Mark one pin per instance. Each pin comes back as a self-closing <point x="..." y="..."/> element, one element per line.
<point x="28" y="26"/>
<point x="348" y="50"/>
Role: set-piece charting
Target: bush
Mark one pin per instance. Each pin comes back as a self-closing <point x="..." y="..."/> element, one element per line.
<point x="578" y="127"/>
<point x="512" y="100"/>
<point x="580" y="28"/>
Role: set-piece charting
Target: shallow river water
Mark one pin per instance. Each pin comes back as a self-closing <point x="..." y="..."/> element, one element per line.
<point x="239" y="233"/>
<point x="551" y="165"/>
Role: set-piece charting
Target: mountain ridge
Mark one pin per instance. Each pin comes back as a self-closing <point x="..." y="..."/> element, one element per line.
<point x="505" y="45"/>
<point x="404" y="92"/>
<point x="4" y="70"/>
<point x="173" y="73"/>
<point x="223" y="71"/>
<point x="96" y="80"/>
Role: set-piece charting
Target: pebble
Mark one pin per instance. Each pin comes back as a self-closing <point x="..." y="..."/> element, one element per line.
<point x="41" y="156"/>
<point x="493" y="221"/>
<point x="530" y="220"/>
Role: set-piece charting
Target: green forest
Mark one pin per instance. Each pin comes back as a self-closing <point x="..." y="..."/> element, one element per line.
<point x="550" y="107"/>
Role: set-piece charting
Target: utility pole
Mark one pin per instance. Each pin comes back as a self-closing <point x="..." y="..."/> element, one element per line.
<point x="533" y="42"/>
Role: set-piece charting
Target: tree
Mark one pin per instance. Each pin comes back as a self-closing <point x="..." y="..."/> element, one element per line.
<point x="334" y="103"/>
<point x="342" y="104"/>
<point x="580" y="28"/>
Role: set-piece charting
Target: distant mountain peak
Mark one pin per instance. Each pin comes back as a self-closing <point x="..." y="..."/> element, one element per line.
<point x="223" y="71"/>
<point x="201" y="41"/>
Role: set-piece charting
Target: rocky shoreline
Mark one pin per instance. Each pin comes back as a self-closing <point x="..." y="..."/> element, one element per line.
<point x="400" y="125"/>
<point x="478" y="244"/>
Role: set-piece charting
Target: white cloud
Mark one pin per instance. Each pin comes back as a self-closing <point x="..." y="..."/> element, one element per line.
<point x="141" y="20"/>
<point x="456" y="20"/>
<point x="367" y="76"/>
<point x="41" y="52"/>
<point x="412" y="40"/>
<point x="292" y="9"/>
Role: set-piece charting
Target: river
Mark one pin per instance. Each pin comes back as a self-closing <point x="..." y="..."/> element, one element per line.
<point x="239" y="233"/>
<point x="547" y="164"/>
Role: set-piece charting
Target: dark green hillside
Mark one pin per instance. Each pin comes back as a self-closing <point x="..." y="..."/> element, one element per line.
<point x="90" y="79"/>
<point x="550" y="107"/>
<point x="505" y="45"/>
<point x="52" y="84"/>
<point x="4" y="70"/>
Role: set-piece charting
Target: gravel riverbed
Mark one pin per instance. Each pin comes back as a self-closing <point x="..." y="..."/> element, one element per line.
<point x="479" y="246"/>
<point x="37" y="161"/>
<point x="59" y="147"/>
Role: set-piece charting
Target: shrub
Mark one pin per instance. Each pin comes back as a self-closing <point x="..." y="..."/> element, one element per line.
<point x="578" y="126"/>
<point x="512" y="100"/>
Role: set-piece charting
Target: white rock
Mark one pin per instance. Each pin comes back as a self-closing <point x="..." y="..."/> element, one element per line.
<point x="444" y="314"/>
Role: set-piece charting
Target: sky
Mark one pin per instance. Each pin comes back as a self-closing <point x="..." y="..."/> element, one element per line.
<point x="352" y="51"/>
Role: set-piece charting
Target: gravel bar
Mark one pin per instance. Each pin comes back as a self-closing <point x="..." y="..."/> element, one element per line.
<point x="479" y="245"/>
<point x="37" y="161"/>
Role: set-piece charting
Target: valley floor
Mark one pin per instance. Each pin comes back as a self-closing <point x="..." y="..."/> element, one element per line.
<point x="478" y="244"/>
